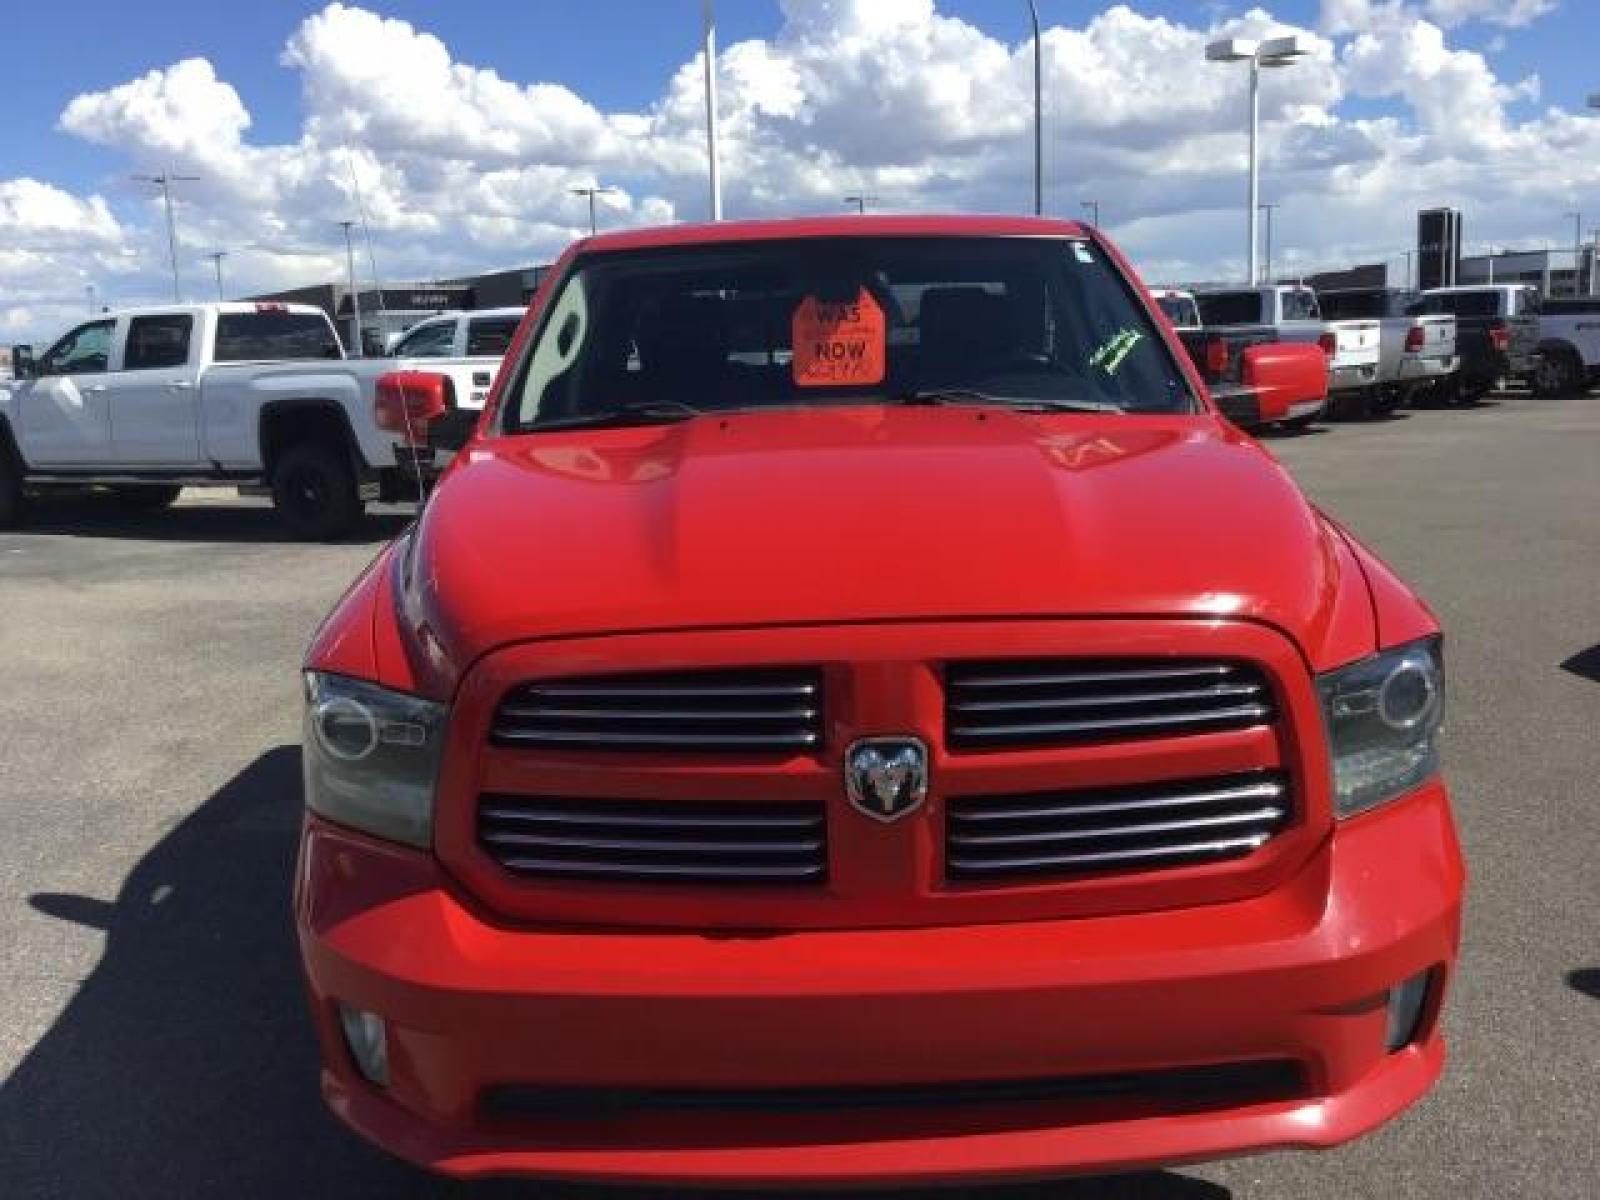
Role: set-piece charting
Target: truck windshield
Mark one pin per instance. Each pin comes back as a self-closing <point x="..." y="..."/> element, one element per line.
<point x="1300" y="304"/>
<point x="1461" y="304"/>
<point x="1180" y="310"/>
<point x="270" y="336"/>
<point x="1230" y="308"/>
<point x="1039" y="322"/>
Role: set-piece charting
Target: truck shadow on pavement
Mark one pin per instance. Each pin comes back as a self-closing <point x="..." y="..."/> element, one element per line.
<point x="184" y="1064"/>
<point x="101" y="517"/>
<point x="1585" y="980"/>
<point x="1585" y="663"/>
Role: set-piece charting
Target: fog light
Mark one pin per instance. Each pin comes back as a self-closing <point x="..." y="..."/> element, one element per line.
<point x="369" y="1046"/>
<point x="1406" y="1002"/>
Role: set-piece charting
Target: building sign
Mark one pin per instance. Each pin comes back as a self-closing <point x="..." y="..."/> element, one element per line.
<point x="1438" y="247"/>
<point x="425" y="300"/>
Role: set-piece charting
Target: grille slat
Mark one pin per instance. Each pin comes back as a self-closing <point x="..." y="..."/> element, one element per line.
<point x="653" y="691"/>
<point x="979" y="676"/>
<point x="611" y="714"/>
<point x="758" y="710"/>
<point x="1021" y="703"/>
<point x="652" y="845"/>
<point x="1256" y="816"/>
<point x="993" y="838"/>
<point x="1222" y="848"/>
<point x="677" y="873"/>
<point x="644" y="819"/>
<point x="654" y="842"/>
<point x="1023" y="812"/>
<point x="1220" y="692"/>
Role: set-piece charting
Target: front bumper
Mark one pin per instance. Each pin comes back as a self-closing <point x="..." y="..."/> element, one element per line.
<point x="1306" y="408"/>
<point x="474" y="1004"/>
<point x="1425" y="369"/>
<point x="1348" y="379"/>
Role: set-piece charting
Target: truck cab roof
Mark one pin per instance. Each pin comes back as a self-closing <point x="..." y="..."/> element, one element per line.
<point x="864" y="226"/>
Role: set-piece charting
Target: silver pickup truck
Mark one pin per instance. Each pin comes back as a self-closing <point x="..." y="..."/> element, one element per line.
<point x="1569" y="346"/>
<point x="1416" y="352"/>
<point x="1351" y="346"/>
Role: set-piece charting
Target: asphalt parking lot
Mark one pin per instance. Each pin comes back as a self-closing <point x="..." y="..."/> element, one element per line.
<point x="154" y="1041"/>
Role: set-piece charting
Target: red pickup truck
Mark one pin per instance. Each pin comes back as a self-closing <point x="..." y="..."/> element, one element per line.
<point x="854" y="713"/>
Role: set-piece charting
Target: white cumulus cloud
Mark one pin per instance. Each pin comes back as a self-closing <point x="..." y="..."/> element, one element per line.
<point x="464" y="166"/>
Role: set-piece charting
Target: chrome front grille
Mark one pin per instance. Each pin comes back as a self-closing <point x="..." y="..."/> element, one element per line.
<point x="654" y="841"/>
<point x="762" y="710"/>
<point x="1125" y="828"/>
<point x="1008" y="702"/>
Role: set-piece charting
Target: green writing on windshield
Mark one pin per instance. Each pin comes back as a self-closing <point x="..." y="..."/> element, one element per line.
<point x="1116" y="348"/>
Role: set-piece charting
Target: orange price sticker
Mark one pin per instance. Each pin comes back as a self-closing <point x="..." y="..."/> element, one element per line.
<point x="838" y="344"/>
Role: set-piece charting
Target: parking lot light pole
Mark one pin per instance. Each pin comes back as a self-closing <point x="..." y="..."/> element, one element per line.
<point x="355" y="293"/>
<point x="861" y="201"/>
<point x="216" y="257"/>
<point x="165" y="182"/>
<point x="592" y="191"/>
<point x="713" y="153"/>
<point x="1274" y="52"/>
<point x="1577" y="248"/>
<point x="1268" y="209"/>
<point x="1038" y="114"/>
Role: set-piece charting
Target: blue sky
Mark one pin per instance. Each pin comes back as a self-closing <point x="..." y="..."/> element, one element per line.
<point x="619" y="66"/>
<point x="468" y="158"/>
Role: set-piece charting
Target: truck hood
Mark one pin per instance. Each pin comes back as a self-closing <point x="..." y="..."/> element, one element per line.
<point x="863" y="514"/>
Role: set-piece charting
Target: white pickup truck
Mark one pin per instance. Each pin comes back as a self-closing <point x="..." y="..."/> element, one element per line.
<point x="1416" y="351"/>
<point x="466" y="346"/>
<point x="1179" y="306"/>
<point x="148" y="401"/>
<point x="1569" y="346"/>
<point x="1352" y="347"/>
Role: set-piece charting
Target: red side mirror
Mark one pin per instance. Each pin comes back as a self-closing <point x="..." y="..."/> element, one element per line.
<point x="406" y="402"/>
<point x="1283" y="375"/>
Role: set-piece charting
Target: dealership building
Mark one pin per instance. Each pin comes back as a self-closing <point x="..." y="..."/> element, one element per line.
<point x="396" y="307"/>
<point x="1554" y="272"/>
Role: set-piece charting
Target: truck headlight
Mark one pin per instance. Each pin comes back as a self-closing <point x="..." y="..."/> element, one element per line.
<point x="371" y="757"/>
<point x="1383" y="716"/>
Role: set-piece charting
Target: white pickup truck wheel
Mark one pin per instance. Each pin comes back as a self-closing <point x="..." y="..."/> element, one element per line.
<point x="1559" y="373"/>
<point x="11" y="497"/>
<point x="315" y="492"/>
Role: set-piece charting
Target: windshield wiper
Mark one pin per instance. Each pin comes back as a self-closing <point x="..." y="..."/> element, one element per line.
<point x="642" y="412"/>
<point x="956" y="395"/>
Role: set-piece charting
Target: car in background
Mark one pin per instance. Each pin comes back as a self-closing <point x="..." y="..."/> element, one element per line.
<point x="1228" y="361"/>
<point x="1417" y="352"/>
<point x="259" y="396"/>
<point x="855" y="715"/>
<point x="1178" y="306"/>
<point x="1497" y="332"/>
<point x="466" y="346"/>
<point x="1569" y="345"/>
<point x="1351" y="347"/>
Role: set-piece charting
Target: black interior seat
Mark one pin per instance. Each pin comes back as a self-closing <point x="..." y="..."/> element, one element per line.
<point x="965" y="332"/>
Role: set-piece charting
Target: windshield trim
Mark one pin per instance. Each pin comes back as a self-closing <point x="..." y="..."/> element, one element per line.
<point x="506" y="423"/>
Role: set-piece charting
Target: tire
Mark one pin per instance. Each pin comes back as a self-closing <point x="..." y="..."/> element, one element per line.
<point x="1559" y="373"/>
<point x="140" y="498"/>
<point x="12" y="500"/>
<point x="1467" y="393"/>
<point x="1385" y="402"/>
<point x="315" y="493"/>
